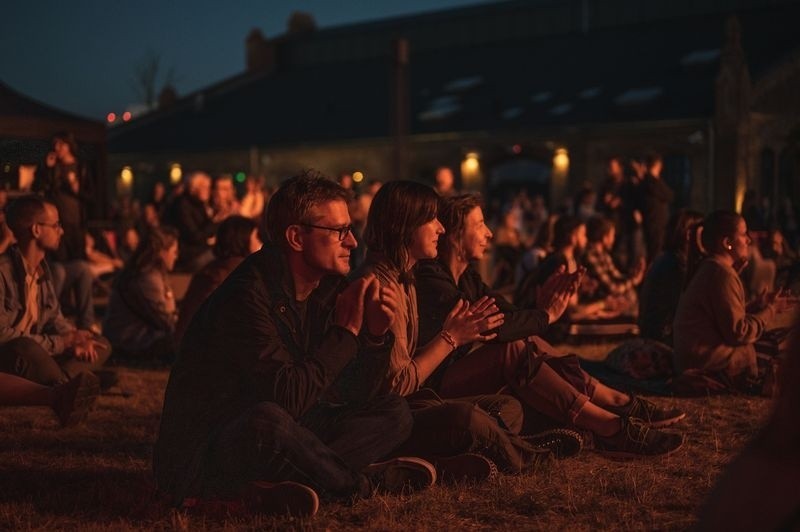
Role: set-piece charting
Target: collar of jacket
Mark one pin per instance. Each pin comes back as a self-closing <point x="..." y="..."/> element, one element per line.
<point x="19" y="266"/>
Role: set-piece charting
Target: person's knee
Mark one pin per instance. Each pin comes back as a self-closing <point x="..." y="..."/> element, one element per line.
<point x="268" y="421"/>
<point x="25" y="358"/>
<point x="396" y="413"/>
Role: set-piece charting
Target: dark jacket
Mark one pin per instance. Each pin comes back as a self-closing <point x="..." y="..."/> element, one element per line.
<point x="246" y="345"/>
<point x="437" y="292"/>
<point x="203" y="283"/>
<point x="195" y="227"/>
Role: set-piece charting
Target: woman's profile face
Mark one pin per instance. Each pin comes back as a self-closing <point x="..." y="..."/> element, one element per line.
<point x="425" y="240"/>
<point x="476" y="235"/>
<point x="739" y="243"/>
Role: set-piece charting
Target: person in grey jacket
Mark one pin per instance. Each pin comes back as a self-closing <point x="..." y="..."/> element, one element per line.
<point x="36" y="341"/>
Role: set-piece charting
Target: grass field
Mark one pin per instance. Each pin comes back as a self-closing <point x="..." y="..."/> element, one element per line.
<point x="97" y="477"/>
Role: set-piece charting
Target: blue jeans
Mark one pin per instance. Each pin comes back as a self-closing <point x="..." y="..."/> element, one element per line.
<point x="325" y="449"/>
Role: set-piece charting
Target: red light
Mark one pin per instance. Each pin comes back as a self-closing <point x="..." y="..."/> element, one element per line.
<point x="516" y="148"/>
<point x="126" y="116"/>
<point x="111" y="117"/>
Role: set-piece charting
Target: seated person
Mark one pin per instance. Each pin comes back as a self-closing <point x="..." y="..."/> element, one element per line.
<point x="516" y="360"/>
<point x="70" y="400"/>
<point x="141" y="315"/>
<point x="401" y="230"/>
<point x="192" y="215"/>
<point x="36" y="341"/>
<point x="237" y="237"/>
<point x="569" y="242"/>
<point x="248" y="408"/>
<point x="714" y="331"/>
<point x="601" y="269"/>
<point x="100" y="263"/>
<point x="666" y="277"/>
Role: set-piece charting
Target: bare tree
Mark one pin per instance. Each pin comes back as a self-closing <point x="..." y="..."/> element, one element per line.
<point x="146" y="78"/>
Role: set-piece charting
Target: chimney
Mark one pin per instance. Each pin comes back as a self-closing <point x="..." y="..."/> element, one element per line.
<point x="259" y="52"/>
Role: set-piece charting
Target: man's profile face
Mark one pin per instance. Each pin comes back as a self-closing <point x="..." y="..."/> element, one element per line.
<point x="322" y="249"/>
<point x="50" y="230"/>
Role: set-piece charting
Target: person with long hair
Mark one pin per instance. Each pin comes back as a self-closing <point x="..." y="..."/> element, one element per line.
<point x="516" y="360"/>
<point x="659" y="294"/>
<point x="237" y="237"/>
<point x="401" y="230"/>
<point x="715" y="330"/>
<point x="141" y="316"/>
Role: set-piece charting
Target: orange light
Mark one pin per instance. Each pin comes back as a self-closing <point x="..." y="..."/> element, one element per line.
<point x="126" y="116"/>
<point x="111" y="117"/>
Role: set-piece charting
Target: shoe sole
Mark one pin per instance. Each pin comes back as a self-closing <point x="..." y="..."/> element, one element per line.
<point x="86" y="392"/>
<point x="467" y="467"/>
<point x="664" y="422"/>
<point x="282" y="498"/>
<point x="630" y="455"/>
<point x="562" y="443"/>
<point x="396" y="477"/>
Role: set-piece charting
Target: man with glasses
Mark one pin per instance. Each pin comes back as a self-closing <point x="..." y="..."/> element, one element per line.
<point x="36" y="341"/>
<point x="250" y="412"/>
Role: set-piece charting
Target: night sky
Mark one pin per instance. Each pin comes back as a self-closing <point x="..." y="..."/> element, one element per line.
<point x="81" y="55"/>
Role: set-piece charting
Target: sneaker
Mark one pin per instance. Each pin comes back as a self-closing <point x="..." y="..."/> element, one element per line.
<point x="75" y="398"/>
<point x="648" y="413"/>
<point x="561" y="443"/>
<point x="466" y="467"/>
<point x="401" y="475"/>
<point x="636" y="438"/>
<point x="280" y="498"/>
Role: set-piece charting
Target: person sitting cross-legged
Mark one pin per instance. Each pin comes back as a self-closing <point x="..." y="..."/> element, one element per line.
<point x="249" y="412"/>
<point x="461" y="434"/>
<point x="515" y="360"/>
<point x="36" y="341"/>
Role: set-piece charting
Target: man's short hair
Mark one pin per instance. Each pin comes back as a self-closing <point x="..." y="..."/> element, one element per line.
<point x="294" y="199"/>
<point x="564" y="229"/>
<point x="22" y="213"/>
<point x="597" y="228"/>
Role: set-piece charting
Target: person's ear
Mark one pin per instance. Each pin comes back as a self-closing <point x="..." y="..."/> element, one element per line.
<point x="294" y="237"/>
<point x="727" y="243"/>
<point x="36" y="230"/>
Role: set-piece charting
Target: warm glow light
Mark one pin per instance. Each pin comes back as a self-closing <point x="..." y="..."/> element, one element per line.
<point x="358" y="177"/>
<point x="740" y="190"/>
<point x="561" y="160"/>
<point x="471" y="163"/>
<point x="175" y="174"/>
<point x="111" y="117"/>
<point x="127" y="176"/>
<point x="126" y="116"/>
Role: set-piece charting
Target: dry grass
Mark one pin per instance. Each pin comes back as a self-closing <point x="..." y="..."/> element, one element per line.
<point x="97" y="477"/>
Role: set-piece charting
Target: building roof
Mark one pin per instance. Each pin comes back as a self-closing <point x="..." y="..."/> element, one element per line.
<point x="336" y="84"/>
<point x="24" y="118"/>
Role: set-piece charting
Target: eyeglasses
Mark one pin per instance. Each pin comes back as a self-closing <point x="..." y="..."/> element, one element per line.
<point x="343" y="231"/>
<point x="55" y="225"/>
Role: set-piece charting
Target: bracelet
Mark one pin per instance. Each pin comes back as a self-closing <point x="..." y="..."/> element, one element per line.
<point x="447" y="337"/>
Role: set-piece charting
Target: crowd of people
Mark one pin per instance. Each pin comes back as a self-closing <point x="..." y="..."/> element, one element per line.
<point x="359" y="349"/>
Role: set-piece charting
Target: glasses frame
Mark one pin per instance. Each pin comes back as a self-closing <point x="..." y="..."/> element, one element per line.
<point x="343" y="231"/>
<point x="54" y="225"/>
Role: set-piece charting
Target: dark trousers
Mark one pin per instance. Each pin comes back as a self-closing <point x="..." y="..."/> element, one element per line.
<point x="483" y="424"/>
<point x="27" y="359"/>
<point x="75" y="276"/>
<point x="325" y="449"/>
